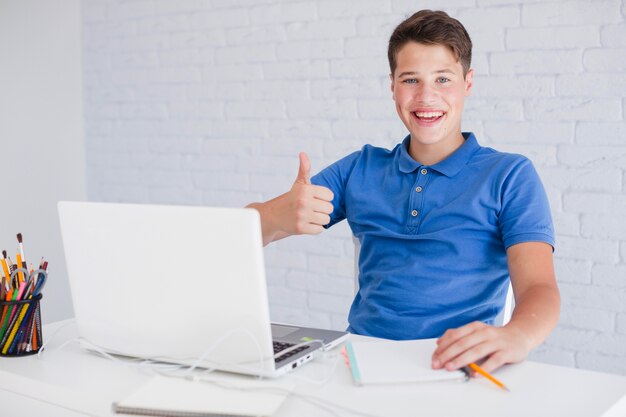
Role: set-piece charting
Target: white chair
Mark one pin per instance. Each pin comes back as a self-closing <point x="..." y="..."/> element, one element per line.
<point x="505" y="315"/>
<point x="500" y="320"/>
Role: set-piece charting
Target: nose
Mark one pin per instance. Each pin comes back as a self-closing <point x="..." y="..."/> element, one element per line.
<point x="425" y="93"/>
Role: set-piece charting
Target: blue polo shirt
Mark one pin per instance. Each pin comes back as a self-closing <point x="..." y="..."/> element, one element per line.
<point x="434" y="238"/>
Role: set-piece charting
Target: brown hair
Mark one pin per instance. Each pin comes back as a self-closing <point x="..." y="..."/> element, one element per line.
<point x="432" y="28"/>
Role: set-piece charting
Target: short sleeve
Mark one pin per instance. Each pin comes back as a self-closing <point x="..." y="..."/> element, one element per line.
<point x="335" y="177"/>
<point x="525" y="211"/>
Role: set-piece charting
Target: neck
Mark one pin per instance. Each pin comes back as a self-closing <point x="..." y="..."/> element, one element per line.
<point x="430" y="154"/>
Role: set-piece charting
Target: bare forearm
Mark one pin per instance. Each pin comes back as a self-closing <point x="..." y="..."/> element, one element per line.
<point x="536" y="313"/>
<point x="269" y="226"/>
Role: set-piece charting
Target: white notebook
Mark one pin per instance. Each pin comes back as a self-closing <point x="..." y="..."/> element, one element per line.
<point x="176" y="397"/>
<point x="390" y="361"/>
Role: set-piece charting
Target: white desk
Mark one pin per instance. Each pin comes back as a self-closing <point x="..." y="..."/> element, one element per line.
<point x="72" y="379"/>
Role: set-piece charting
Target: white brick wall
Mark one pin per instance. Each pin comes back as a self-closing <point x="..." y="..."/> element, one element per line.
<point x="209" y="102"/>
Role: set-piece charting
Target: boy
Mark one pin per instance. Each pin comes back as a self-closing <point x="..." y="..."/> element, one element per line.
<point x="443" y="222"/>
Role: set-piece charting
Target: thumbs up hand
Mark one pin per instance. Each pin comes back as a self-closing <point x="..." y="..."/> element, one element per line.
<point x="308" y="206"/>
<point x="304" y="209"/>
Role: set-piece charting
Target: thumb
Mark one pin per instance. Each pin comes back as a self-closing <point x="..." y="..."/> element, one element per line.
<point x="304" y="172"/>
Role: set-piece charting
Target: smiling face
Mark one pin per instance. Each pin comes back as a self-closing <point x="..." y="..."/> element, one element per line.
<point x="429" y="90"/>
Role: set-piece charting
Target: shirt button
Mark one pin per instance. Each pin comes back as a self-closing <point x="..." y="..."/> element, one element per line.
<point x="414" y="213"/>
<point x="424" y="171"/>
<point x="418" y="189"/>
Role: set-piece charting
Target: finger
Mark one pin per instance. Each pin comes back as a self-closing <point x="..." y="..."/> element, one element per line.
<point x="444" y="357"/>
<point x="320" y="219"/>
<point x="474" y="354"/>
<point x="304" y="170"/>
<point x="452" y="335"/>
<point x="495" y="361"/>
<point x="454" y="341"/>
<point x="320" y="206"/>
<point x="312" y="229"/>
<point x="322" y="193"/>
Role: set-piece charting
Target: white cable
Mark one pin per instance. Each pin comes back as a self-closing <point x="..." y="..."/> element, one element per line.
<point x="134" y="362"/>
<point x="41" y="349"/>
<point x="199" y="361"/>
<point x="160" y="368"/>
<point x="157" y="362"/>
<point x="138" y="362"/>
<point x="311" y="399"/>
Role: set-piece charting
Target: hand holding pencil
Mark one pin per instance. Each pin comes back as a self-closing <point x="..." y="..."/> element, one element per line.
<point x="462" y="347"/>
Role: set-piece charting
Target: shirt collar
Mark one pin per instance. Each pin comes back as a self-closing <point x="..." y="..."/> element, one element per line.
<point x="450" y="166"/>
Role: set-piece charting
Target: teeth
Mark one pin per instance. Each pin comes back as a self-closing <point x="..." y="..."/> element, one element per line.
<point x="428" y="115"/>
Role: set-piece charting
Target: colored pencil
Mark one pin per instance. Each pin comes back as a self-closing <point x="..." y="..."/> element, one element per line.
<point x="487" y="375"/>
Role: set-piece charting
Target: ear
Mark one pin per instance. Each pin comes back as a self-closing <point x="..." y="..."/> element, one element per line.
<point x="393" y="87"/>
<point x="469" y="81"/>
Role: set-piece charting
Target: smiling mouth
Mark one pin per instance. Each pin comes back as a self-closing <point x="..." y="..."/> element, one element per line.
<point x="429" y="116"/>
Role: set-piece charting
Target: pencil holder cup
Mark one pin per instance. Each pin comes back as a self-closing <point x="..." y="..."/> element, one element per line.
<point x="20" y="325"/>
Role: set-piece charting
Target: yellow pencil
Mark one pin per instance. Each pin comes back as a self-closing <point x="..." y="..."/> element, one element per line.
<point x="19" y="266"/>
<point x="5" y="268"/>
<point x="486" y="374"/>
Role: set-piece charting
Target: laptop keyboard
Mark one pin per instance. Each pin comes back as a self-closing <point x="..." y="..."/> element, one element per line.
<point x="280" y="346"/>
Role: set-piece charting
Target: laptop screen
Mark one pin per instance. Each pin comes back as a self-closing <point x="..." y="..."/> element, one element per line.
<point x="169" y="281"/>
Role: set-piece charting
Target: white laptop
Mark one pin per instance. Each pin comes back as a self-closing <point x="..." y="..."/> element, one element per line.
<point x="178" y="284"/>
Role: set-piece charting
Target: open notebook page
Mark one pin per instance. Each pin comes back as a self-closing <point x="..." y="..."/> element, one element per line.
<point x="390" y="361"/>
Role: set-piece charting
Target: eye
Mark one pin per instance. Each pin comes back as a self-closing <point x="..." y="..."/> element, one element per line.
<point x="442" y="80"/>
<point x="410" y="81"/>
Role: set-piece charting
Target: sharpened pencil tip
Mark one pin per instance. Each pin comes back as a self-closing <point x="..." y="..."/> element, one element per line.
<point x="19" y="237"/>
<point x="4" y="253"/>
